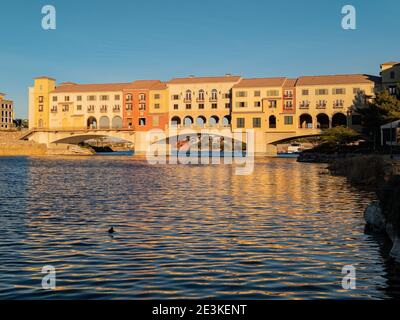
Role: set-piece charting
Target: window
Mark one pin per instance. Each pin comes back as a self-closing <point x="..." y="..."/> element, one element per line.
<point x="305" y="92"/>
<point x="129" y="97"/>
<point x="240" y="122"/>
<point x="272" y="103"/>
<point x="129" y="106"/>
<point x="91" y="98"/>
<point x="321" y="92"/>
<point x="157" y="96"/>
<point x="227" y="95"/>
<point x="157" y="106"/>
<point x="65" y="108"/>
<point x="272" y="122"/>
<point x="288" y="93"/>
<point x="54" y="109"/>
<point x="55" y="98"/>
<point x="288" y="104"/>
<point x="304" y="104"/>
<point x="142" y="97"/>
<point x="142" y="121"/>
<point x="392" y="90"/>
<point x="66" y="98"/>
<point x="103" y="108"/>
<point x="176" y="107"/>
<point x="339" y="91"/>
<point x="79" y="98"/>
<point x="79" y="107"/>
<point x="201" y="95"/>
<point x="257" y="93"/>
<point x="214" y="106"/>
<point x="129" y="122"/>
<point x="41" y="99"/>
<point x="338" y="103"/>
<point x="288" y="120"/>
<point x="227" y="105"/>
<point x="40" y="108"/>
<point x="188" y="106"/>
<point x="142" y="106"/>
<point x="91" y="108"/>
<point x="175" y="97"/>
<point x="214" y="94"/>
<point x="392" y="75"/>
<point x="201" y="106"/>
<point x="241" y="104"/>
<point x="272" y="93"/>
<point x="256" y="122"/>
<point x="321" y="103"/>
<point x="257" y="104"/>
<point x="241" y="94"/>
<point x="188" y="95"/>
<point x="117" y="108"/>
<point x="117" y="97"/>
<point x="356" y="90"/>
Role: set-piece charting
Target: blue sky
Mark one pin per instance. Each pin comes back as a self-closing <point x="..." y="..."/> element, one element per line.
<point x="125" y="40"/>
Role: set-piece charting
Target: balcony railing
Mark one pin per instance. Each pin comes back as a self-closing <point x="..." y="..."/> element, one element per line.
<point x="213" y="99"/>
<point x="186" y="100"/>
<point x="200" y="100"/>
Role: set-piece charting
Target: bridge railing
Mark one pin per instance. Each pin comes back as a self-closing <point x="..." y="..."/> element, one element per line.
<point x="80" y="129"/>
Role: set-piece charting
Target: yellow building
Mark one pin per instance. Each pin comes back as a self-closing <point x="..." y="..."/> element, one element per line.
<point x="158" y="105"/>
<point x="255" y="102"/>
<point x="7" y="113"/>
<point x="39" y="102"/>
<point x="390" y="73"/>
<point x="328" y="101"/>
<point x="201" y="101"/>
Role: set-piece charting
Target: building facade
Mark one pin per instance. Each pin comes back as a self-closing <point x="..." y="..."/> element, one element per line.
<point x="390" y="73"/>
<point x="201" y="101"/>
<point x="273" y="108"/>
<point x="7" y="113"/>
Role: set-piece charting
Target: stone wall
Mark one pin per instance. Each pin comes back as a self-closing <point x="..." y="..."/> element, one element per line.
<point x="10" y="145"/>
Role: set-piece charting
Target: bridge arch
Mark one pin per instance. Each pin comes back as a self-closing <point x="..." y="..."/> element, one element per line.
<point x="322" y="121"/>
<point x="104" y="122"/>
<point x="306" y="121"/>
<point x="339" y="119"/>
<point x="92" y="123"/>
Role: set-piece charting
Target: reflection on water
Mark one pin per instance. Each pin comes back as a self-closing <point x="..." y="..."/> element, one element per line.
<point x="192" y="231"/>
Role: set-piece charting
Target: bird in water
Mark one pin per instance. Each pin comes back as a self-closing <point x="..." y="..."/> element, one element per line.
<point x="111" y="231"/>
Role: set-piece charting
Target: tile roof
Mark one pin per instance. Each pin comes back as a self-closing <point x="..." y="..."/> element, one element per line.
<point x="336" y="79"/>
<point x="261" y="82"/>
<point x="140" y="84"/>
<point x="190" y="80"/>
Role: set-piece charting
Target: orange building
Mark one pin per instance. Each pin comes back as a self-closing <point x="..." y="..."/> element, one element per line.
<point x="136" y="105"/>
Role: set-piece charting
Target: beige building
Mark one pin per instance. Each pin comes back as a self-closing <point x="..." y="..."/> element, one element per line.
<point x="7" y="113"/>
<point x="328" y="101"/>
<point x="390" y="73"/>
<point x="201" y="101"/>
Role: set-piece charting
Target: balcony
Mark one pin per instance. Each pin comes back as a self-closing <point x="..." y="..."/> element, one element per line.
<point x="213" y="99"/>
<point x="186" y="100"/>
<point x="321" y="106"/>
<point x="200" y="100"/>
<point x="304" y="106"/>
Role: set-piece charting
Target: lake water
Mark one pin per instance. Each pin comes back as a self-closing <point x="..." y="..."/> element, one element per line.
<point x="284" y="232"/>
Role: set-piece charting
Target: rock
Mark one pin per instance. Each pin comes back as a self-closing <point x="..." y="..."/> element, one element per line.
<point x="374" y="217"/>
<point x="395" y="252"/>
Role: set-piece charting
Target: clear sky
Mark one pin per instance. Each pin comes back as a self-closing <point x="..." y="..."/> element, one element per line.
<point x="125" y="40"/>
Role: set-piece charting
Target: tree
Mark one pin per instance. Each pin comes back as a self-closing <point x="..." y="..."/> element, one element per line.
<point x="339" y="136"/>
<point x="384" y="108"/>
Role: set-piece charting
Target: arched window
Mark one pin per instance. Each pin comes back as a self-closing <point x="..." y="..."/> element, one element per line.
<point x="129" y="97"/>
<point x="188" y="95"/>
<point x="142" y="97"/>
<point x="201" y="95"/>
<point x="272" y="122"/>
<point x="214" y="94"/>
<point x="104" y="123"/>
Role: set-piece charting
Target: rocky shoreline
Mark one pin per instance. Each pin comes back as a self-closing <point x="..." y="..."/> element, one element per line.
<point x="373" y="172"/>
